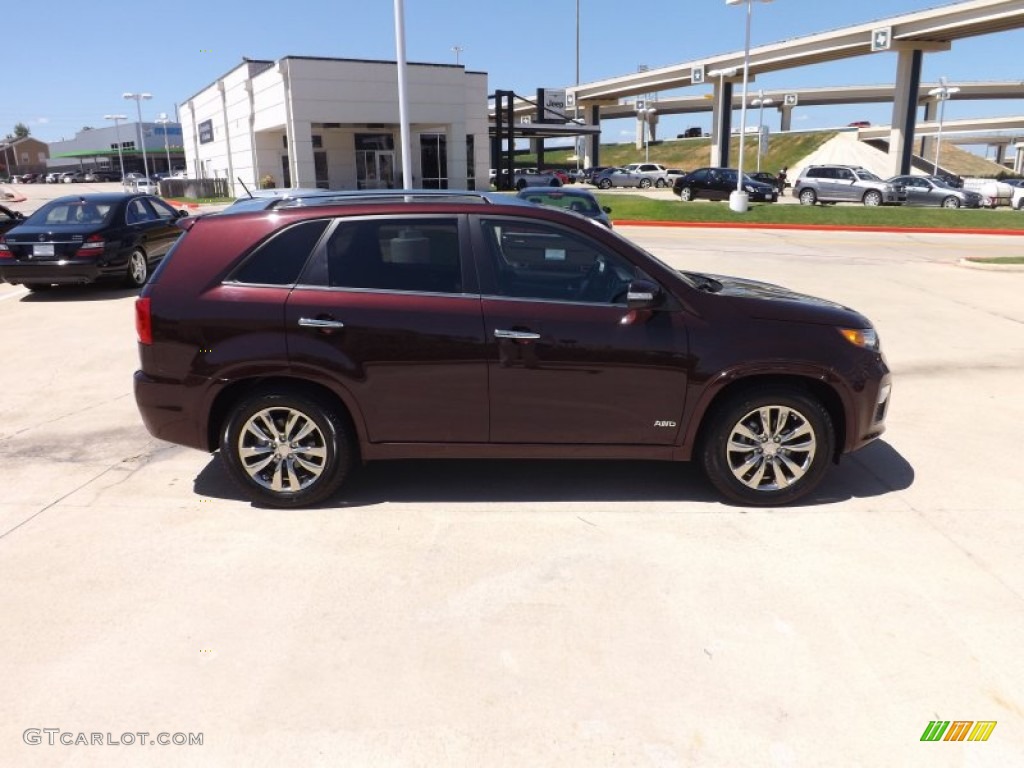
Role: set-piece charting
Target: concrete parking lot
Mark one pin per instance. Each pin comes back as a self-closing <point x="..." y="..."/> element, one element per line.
<point x="528" y="613"/>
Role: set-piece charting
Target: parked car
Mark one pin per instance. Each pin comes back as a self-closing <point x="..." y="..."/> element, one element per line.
<point x="98" y="175"/>
<point x="86" y="238"/>
<point x="72" y="177"/>
<point x="531" y="177"/>
<point x="590" y="173"/>
<point x="9" y="218"/>
<point x="144" y="186"/>
<point x="931" y="190"/>
<point x="765" y="177"/>
<point x="845" y="184"/>
<point x="994" y="192"/>
<point x="581" y="201"/>
<point x="53" y="177"/>
<point x="562" y="176"/>
<point x="718" y="184"/>
<point x="656" y="174"/>
<point x="619" y="177"/>
<point x="304" y="342"/>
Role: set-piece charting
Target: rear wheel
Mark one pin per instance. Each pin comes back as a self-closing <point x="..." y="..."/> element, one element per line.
<point x="660" y="183"/>
<point x="767" y="448"/>
<point x="645" y="183"/>
<point x="286" y="449"/>
<point x="808" y="197"/>
<point x="138" y="269"/>
<point x="951" y="202"/>
<point x="604" y="184"/>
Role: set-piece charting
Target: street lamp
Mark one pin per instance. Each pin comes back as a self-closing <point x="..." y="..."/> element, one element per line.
<point x="117" y="132"/>
<point x="138" y="98"/>
<point x="738" y="200"/>
<point x="942" y="94"/>
<point x="646" y="114"/>
<point x="164" y="120"/>
<point x="457" y="49"/>
<point x="760" y="102"/>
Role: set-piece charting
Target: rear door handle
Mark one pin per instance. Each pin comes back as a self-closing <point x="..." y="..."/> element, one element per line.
<point x="315" y="322"/>
<point x="516" y="335"/>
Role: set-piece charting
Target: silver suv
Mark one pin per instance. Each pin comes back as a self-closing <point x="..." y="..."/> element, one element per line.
<point x="845" y="184"/>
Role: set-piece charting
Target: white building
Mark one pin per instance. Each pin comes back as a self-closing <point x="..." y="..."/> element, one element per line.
<point x="333" y="123"/>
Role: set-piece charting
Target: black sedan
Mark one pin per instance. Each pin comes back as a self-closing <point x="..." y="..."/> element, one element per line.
<point x="9" y="218"/>
<point x="86" y="238"/>
<point x="718" y="184"/>
<point x="579" y="200"/>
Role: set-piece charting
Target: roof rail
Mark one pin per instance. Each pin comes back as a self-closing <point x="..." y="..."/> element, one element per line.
<point x="391" y="196"/>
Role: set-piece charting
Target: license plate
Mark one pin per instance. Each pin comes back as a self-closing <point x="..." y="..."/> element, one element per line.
<point x="42" y="249"/>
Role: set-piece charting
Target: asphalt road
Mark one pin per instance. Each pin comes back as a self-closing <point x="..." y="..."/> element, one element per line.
<point x="527" y="613"/>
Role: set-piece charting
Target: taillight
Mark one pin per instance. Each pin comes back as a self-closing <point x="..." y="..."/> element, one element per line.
<point x="93" y="246"/>
<point x="5" y="252"/>
<point x="143" y="321"/>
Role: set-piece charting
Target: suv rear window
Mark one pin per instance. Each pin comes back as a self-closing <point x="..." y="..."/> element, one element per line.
<point x="280" y="259"/>
<point x="396" y="255"/>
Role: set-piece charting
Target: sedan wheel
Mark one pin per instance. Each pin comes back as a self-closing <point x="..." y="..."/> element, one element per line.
<point x="645" y="183"/>
<point x="286" y="450"/>
<point x="604" y="184"/>
<point x="807" y="197"/>
<point x="768" y="448"/>
<point x="873" y="198"/>
<point x="951" y="202"/>
<point x="138" y="269"/>
<point x="686" y="194"/>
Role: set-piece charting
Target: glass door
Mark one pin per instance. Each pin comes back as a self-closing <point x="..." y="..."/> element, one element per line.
<point x="434" y="160"/>
<point x="375" y="169"/>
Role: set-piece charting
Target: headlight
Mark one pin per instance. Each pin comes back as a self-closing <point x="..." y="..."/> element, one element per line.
<point x="867" y="338"/>
<point x="750" y="188"/>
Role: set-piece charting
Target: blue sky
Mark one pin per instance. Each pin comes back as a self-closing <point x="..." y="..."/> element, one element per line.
<point x="97" y="51"/>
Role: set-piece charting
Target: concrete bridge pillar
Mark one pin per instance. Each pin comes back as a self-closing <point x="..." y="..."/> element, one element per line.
<point x="904" y="109"/>
<point x="721" y="123"/>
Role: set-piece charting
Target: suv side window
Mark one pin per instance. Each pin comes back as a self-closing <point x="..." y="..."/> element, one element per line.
<point x="844" y="174"/>
<point x="700" y="176"/>
<point x="535" y="260"/>
<point x="421" y="255"/>
<point x="279" y="260"/>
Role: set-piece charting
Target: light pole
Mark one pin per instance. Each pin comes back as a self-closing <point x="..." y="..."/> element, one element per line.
<point x="645" y="114"/>
<point x="458" y="49"/>
<point x="760" y="102"/>
<point x="138" y="98"/>
<point x="117" y="132"/>
<point x="164" y="120"/>
<point x="738" y="200"/>
<point x="942" y="94"/>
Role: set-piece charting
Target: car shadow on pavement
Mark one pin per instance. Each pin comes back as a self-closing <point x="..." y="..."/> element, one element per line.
<point x="79" y="293"/>
<point x="874" y="471"/>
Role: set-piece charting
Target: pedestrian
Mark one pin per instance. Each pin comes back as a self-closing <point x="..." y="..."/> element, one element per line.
<point x="780" y="180"/>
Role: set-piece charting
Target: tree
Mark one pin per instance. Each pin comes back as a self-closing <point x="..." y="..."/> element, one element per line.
<point x="21" y="131"/>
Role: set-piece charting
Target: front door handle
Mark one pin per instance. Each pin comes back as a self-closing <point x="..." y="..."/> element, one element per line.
<point x="315" y="322"/>
<point x="516" y="335"/>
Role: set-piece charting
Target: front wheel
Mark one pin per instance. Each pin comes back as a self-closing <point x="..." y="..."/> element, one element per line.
<point x="872" y="198"/>
<point x="951" y="202"/>
<point x="286" y="450"/>
<point x="686" y="194"/>
<point x="807" y="197"/>
<point x="767" y="448"/>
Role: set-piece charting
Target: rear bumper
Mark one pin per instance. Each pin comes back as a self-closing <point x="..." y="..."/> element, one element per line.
<point x="70" y="272"/>
<point x="169" y="409"/>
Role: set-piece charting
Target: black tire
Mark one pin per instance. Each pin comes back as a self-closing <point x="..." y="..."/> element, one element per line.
<point x="138" y="269"/>
<point x="316" y="463"/>
<point x="521" y="185"/>
<point x="686" y="194"/>
<point x="951" y="202"/>
<point x="38" y="287"/>
<point x="808" y="197"/>
<point x="872" y="198"/>
<point x="660" y="183"/>
<point x="645" y="183"/>
<point x="555" y="182"/>
<point x="753" y="468"/>
<point x="604" y="184"/>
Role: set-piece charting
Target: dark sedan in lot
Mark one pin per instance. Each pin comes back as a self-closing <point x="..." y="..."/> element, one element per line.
<point x="579" y="201"/>
<point x="86" y="238"/>
<point x="718" y="183"/>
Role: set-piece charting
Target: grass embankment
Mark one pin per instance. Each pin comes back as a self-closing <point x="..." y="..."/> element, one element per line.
<point x="637" y="208"/>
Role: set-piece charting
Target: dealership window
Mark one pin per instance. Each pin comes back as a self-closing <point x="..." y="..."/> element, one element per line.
<point x="434" y="160"/>
<point x="470" y="162"/>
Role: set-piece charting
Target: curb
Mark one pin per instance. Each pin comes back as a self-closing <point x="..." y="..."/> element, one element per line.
<point x="969" y="263"/>
<point x="817" y="227"/>
<point x="182" y="204"/>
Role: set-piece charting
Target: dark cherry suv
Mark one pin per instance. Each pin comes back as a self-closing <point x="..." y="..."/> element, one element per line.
<point x="340" y="328"/>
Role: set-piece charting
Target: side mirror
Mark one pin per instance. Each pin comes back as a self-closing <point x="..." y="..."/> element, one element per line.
<point x="19" y="216"/>
<point x="182" y="214"/>
<point x="606" y="208"/>
<point x="643" y="294"/>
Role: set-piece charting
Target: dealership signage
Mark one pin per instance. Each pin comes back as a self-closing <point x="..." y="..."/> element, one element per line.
<point x="206" y="132"/>
<point x="551" y="105"/>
